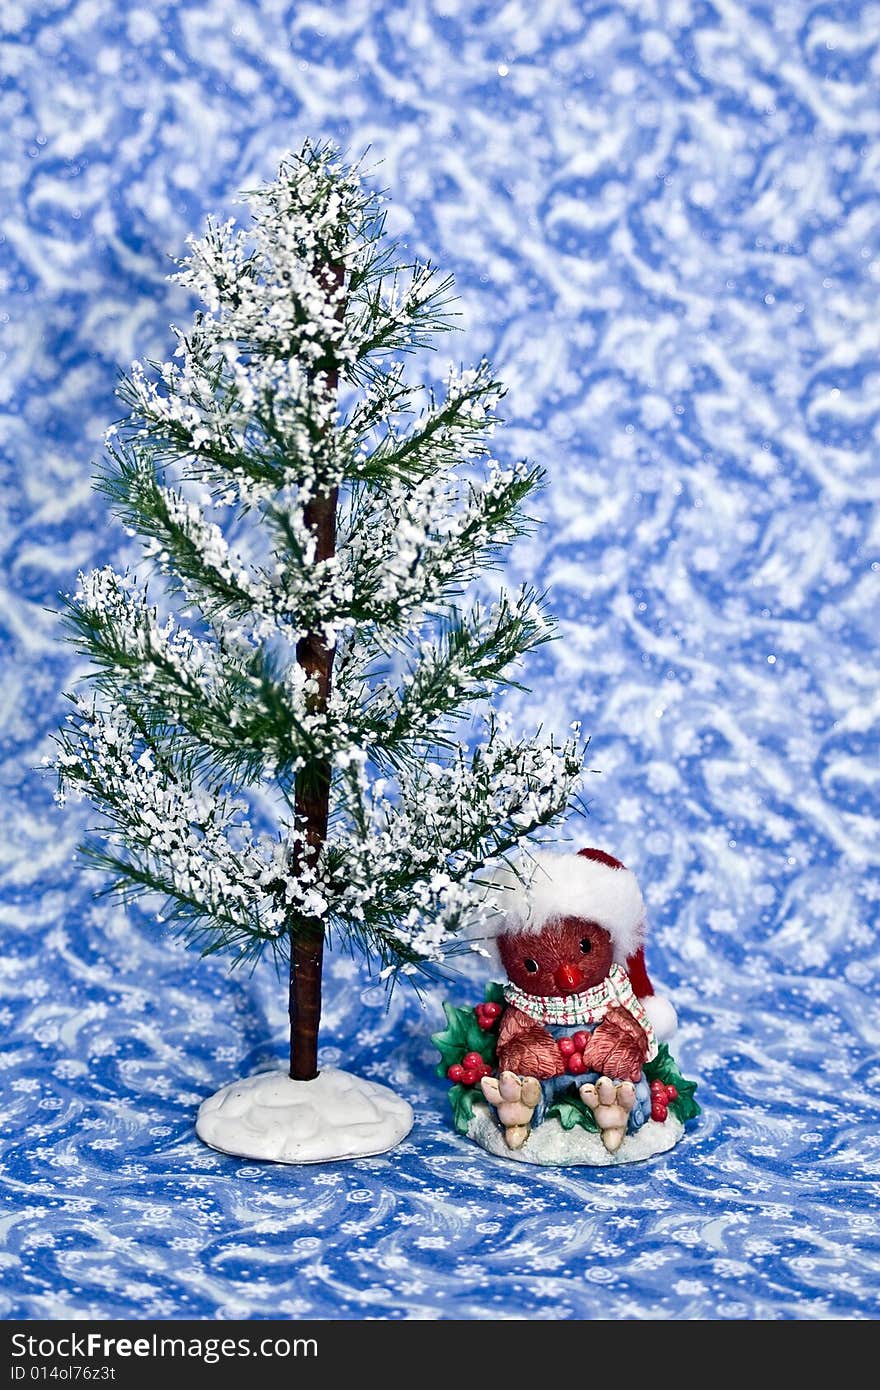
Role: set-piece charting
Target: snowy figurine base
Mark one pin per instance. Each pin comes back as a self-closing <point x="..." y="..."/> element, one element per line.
<point x="274" y="1118"/>
<point x="552" y="1145"/>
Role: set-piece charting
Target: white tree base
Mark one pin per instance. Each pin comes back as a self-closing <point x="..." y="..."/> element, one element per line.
<point x="269" y="1116"/>
<point x="552" y="1145"/>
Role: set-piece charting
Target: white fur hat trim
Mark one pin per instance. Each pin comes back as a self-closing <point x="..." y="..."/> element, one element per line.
<point x="546" y="886"/>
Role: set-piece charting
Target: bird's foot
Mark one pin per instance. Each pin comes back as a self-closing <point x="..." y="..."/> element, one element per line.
<point x="515" y="1098"/>
<point x="611" y="1103"/>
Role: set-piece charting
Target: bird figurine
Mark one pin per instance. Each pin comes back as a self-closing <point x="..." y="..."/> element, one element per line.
<point x="577" y="1018"/>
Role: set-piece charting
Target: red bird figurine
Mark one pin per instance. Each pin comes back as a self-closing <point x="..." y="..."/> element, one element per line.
<point x="580" y="1011"/>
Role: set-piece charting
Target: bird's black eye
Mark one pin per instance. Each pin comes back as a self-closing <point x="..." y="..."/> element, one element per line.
<point x="586" y="946"/>
<point x="531" y="965"/>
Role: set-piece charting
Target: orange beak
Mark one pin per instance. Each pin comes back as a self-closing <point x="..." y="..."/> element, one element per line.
<point x="568" y="978"/>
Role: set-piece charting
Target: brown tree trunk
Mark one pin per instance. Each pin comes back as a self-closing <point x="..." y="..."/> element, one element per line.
<point x="312" y="797"/>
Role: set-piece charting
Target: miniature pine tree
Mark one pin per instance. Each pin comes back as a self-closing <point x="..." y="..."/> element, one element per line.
<point x="271" y="737"/>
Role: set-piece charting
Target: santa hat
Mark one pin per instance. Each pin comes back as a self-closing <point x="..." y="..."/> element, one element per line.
<point x="589" y="884"/>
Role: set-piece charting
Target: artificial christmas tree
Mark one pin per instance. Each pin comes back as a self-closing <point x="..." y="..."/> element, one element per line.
<point x="272" y="742"/>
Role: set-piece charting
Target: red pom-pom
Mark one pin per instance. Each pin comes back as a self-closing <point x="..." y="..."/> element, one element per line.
<point x="566" y="1046"/>
<point x="581" y="1040"/>
<point x="576" y="1064"/>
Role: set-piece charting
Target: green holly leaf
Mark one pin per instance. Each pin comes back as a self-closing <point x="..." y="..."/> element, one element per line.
<point x="571" y="1111"/>
<point x="462" y="1098"/>
<point x="461" y="1035"/>
<point x="665" y="1068"/>
<point x="494" y="994"/>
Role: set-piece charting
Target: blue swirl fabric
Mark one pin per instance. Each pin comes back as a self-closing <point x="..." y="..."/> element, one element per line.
<point x="662" y="216"/>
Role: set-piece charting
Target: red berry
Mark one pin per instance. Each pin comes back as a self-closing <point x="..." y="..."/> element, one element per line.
<point x="472" y="1061"/>
<point x="566" y="1046"/>
<point x="671" y="1093"/>
<point x="659" y="1113"/>
<point x="455" y="1072"/>
<point x="468" y="1077"/>
<point x="576" y="1064"/>
<point x="581" y="1040"/>
<point x="492" y="1011"/>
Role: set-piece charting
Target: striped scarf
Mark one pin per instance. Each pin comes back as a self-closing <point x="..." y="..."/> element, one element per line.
<point x="590" y="1007"/>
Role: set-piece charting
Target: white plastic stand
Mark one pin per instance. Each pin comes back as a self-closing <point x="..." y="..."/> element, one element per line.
<point x="271" y="1117"/>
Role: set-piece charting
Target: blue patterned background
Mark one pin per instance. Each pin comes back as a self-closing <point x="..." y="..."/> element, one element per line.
<point x="662" y="215"/>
